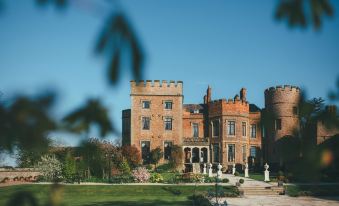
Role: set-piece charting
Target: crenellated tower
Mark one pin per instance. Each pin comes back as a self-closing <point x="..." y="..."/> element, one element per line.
<point x="281" y="117"/>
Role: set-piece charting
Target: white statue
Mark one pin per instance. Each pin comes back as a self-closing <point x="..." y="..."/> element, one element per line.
<point x="210" y="170"/>
<point x="219" y="173"/>
<point x="204" y="170"/>
<point x="246" y="170"/>
<point x="267" y="173"/>
<point x="233" y="169"/>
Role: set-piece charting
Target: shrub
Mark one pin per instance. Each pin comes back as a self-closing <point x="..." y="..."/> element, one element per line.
<point x="6" y="179"/>
<point x="223" y="192"/>
<point x="132" y="155"/>
<point x="208" y="179"/>
<point x="225" y="180"/>
<point x="140" y="174"/>
<point x="155" y="156"/>
<point x="123" y="178"/>
<point x="236" y="173"/>
<point x="156" y="177"/>
<point x="149" y="167"/>
<point x="241" y="181"/>
<point x="50" y="167"/>
<point x="165" y="167"/>
<point x="200" y="200"/>
<point x="124" y="167"/>
<point x="191" y="177"/>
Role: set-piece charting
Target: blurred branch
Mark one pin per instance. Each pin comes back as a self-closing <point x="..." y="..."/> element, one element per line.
<point x="25" y="122"/>
<point x="334" y="94"/>
<point x="302" y="13"/>
<point x="92" y="113"/>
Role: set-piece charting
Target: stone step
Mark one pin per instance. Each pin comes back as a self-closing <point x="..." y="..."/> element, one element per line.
<point x="262" y="190"/>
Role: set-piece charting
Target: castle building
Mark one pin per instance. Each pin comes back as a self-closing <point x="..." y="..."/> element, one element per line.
<point x="222" y="131"/>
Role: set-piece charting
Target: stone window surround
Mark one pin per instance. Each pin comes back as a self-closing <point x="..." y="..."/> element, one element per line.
<point x="212" y="149"/>
<point x="142" y="103"/>
<point x="192" y="124"/>
<point x="256" y="131"/>
<point x="235" y="127"/>
<point x="212" y="132"/>
<point x="141" y="118"/>
<point x="235" y="151"/>
<point x="247" y="128"/>
<point x="163" y="145"/>
<point x="164" y="103"/>
<point x="172" y="120"/>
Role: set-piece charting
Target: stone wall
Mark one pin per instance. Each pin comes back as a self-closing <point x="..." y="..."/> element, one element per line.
<point x="19" y="174"/>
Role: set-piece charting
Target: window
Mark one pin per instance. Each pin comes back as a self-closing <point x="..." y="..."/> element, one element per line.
<point x="167" y="149"/>
<point x="145" y="104"/>
<point x="278" y="124"/>
<point x="215" y="152"/>
<point x="215" y="128"/>
<point x="295" y="110"/>
<point x="145" y="151"/>
<point x="253" y="131"/>
<point x="253" y="151"/>
<point x="243" y="126"/>
<point x="145" y="123"/>
<point x="231" y="128"/>
<point x="168" y="123"/>
<point x="244" y="155"/>
<point x="195" y="129"/>
<point x="231" y="152"/>
<point x="168" y="105"/>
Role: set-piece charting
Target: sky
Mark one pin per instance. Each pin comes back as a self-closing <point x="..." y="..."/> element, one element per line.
<point x="225" y="44"/>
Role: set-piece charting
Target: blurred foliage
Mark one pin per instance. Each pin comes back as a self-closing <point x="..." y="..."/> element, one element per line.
<point x="25" y="122"/>
<point x="92" y="113"/>
<point x="303" y="13"/>
<point x="116" y="38"/>
<point x="334" y="94"/>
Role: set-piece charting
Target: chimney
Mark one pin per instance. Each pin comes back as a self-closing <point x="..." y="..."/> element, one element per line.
<point x="243" y="94"/>
<point x="209" y="94"/>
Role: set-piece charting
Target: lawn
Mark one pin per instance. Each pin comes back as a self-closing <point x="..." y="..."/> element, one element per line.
<point x="312" y="190"/>
<point x="100" y="195"/>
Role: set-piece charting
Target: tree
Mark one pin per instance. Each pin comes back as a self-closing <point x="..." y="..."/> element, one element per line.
<point x="155" y="156"/>
<point x="176" y="157"/>
<point x="50" y="167"/>
<point x="92" y="113"/>
<point x="132" y="155"/>
<point x="69" y="168"/>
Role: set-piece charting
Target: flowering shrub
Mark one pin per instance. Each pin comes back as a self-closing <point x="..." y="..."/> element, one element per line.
<point x="156" y="177"/>
<point x="50" y="167"/>
<point x="140" y="174"/>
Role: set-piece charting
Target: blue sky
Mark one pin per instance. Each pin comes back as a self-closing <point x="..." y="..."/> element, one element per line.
<point x="226" y="44"/>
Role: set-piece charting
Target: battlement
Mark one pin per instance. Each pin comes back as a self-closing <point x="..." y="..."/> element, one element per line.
<point x="156" y="87"/>
<point x="229" y="101"/>
<point x="280" y="88"/>
<point x="282" y="94"/>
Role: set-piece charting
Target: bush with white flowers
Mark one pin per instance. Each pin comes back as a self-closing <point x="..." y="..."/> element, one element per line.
<point x="50" y="167"/>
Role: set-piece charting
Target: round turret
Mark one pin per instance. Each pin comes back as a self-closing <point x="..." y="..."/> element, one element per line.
<point x="281" y="115"/>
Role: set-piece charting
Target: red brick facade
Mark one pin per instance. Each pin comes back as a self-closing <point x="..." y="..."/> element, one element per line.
<point x="217" y="131"/>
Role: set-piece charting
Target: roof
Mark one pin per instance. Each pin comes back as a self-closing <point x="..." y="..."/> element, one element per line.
<point x="193" y="107"/>
<point x="254" y="108"/>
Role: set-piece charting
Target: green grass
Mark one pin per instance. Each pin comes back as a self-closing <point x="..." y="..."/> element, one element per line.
<point x="312" y="190"/>
<point x="104" y="195"/>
